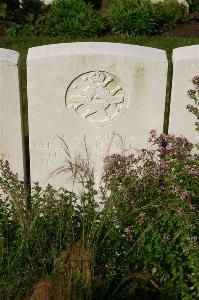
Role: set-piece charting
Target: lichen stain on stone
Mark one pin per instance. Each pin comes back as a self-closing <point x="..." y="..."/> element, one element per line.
<point x="139" y="79"/>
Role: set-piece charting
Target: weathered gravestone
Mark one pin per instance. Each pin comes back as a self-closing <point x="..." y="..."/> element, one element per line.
<point x="185" y="67"/>
<point x="10" y="113"/>
<point x="91" y="99"/>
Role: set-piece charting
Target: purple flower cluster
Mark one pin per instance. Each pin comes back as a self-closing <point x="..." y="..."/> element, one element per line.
<point x="192" y="238"/>
<point x="152" y="136"/>
<point x="128" y="233"/>
<point x="141" y="218"/>
<point x="119" y="167"/>
<point x="169" y="169"/>
<point x="193" y="94"/>
<point x="195" y="81"/>
<point x="184" y="195"/>
<point x="192" y="207"/>
<point x="192" y="170"/>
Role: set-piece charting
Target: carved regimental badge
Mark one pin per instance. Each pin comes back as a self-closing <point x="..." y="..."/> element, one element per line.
<point x="96" y="96"/>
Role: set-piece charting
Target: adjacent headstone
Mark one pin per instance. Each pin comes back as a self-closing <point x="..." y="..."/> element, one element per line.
<point x="185" y="67"/>
<point x="90" y="100"/>
<point x="10" y="111"/>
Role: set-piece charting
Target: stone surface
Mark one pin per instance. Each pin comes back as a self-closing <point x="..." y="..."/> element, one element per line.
<point x="185" y="67"/>
<point x="91" y="99"/>
<point x="10" y="112"/>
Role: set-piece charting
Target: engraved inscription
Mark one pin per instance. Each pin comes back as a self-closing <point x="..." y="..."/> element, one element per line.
<point x="96" y="96"/>
<point x="53" y="153"/>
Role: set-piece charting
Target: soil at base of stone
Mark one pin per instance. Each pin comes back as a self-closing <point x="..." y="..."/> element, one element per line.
<point x="189" y="29"/>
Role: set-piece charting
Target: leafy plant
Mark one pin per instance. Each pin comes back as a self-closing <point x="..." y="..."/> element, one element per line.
<point x="140" y="241"/>
<point x="133" y="17"/>
<point x="46" y="244"/>
<point x="193" y="5"/>
<point x="143" y="17"/>
<point x="25" y="18"/>
<point x="96" y="3"/>
<point x="74" y="18"/>
<point x="170" y="13"/>
<point x="3" y="8"/>
<point x="154" y="196"/>
<point x="194" y="95"/>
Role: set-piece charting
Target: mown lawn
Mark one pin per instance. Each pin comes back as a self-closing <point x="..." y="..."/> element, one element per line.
<point x="162" y="42"/>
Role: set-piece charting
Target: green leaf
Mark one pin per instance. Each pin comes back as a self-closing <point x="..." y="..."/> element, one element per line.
<point x="154" y="270"/>
<point x="3" y="8"/>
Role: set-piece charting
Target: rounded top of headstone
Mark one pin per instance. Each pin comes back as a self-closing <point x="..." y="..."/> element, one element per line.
<point x="188" y="52"/>
<point x="102" y="48"/>
<point x="9" y="55"/>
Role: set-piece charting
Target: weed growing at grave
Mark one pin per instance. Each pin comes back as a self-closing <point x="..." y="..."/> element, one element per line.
<point x="46" y="246"/>
<point x="154" y="197"/>
<point x="194" y="95"/>
<point x="154" y="244"/>
<point x="140" y="242"/>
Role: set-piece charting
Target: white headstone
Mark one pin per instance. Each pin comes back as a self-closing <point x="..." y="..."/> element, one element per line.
<point x="10" y="111"/>
<point x="94" y="98"/>
<point x="185" y="67"/>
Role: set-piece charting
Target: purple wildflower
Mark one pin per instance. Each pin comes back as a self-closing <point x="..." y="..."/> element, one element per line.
<point x="128" y="231"/>
<point x="192" y="238"/>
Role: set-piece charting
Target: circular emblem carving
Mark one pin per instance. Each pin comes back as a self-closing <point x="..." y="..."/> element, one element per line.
<point x="97" y="97"/>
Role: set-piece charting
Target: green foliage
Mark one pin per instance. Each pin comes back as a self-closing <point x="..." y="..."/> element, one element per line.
<point x="63" y="18"/>
<point x="79" y="19"/>
<point x="96" y="3"/>
<point x="15" y="30"/>
<point x="133" y="17"/>
<point x="36" y="241"/>
<point x="74" y="18"/>
<point x="194" y="96"/>
<point x="143" y="17"/>
<point x="153" y="244"/>
<point x="140" y="242"/>
<point x="170" y="13"/>
<point x="193" y="5"/>
<point x="29" y="18"/>
<point x="22" y="11"/>
<point x="3" y="9"/>
<point x="31" y="27"/>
